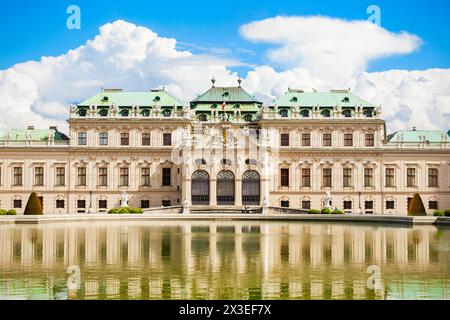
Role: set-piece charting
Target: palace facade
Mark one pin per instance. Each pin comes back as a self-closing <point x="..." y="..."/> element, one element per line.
<point x="225" y="150"/>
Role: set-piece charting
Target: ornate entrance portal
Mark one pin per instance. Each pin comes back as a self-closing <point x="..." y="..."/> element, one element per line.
<point x="200" y="188"/>
<point x="225" y="188"/>
<point x="250" y="188"/>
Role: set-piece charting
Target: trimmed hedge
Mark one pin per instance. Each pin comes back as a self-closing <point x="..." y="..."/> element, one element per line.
<point x="326" y="211"/>
<point x="416" y="207"/>
<point x="11" y="212"/>
<point x="33" y="206"/>
<point x="336" y="211"/>
<point x="314" y="211"/>
<point x="447" y="212"/>
<point x="438" y="213"/>
<point x="126" y="210"/>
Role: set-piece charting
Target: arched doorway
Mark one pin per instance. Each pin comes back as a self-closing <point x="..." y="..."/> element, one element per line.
<point x="225" y="188"/>
<point x="250" y="188"/>
<point x="200" y="188"/>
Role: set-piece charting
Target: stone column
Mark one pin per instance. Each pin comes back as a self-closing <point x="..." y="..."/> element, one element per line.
<point x="238" y="193"/>
<point x="213" y="192"/>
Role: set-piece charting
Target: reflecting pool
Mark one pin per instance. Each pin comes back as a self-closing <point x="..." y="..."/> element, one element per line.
<point x="223" y="260"/>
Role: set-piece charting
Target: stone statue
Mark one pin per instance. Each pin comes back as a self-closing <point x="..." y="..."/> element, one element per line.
<point x="123" y="200"/>
<point x="265" y="206"/>
<point x="186" y="207"/>
<point x="327" y="201"/>
<point x="73" y="109"/>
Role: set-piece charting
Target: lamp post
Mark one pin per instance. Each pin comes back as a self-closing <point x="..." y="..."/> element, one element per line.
<point x="90" y="202"/>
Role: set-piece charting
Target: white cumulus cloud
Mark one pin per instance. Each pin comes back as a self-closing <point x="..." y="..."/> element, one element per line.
<point x="315" y="52"/>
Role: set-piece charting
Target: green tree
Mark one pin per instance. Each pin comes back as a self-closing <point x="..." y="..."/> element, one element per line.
<point x="416" y="207"/>
<point x="33" y="206"/>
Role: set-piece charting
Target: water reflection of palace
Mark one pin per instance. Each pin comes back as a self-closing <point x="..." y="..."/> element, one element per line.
<point x="221" y="260"/>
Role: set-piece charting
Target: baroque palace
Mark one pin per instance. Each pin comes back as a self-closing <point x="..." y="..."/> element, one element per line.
<point x="225" y="151"/>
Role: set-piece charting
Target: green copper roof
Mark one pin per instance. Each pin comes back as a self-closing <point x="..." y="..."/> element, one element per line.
<point x="35" y="134"/>
<point x="324" y="99"/>
<point x="227" y="94"/>
<point x="433" y="136"/>
<point x="123" y="98"/>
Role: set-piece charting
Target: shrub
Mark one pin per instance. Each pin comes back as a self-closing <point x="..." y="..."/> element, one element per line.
<point x="416" y="207"/>
<point x="336" y="211"/>
<point x="326" y="211"/>
<point x="2" y="212"/>
<point x="313" y="211"/>
<point x="11" y="212"/>
<point x="136" y="210"/>
<point x="113" y="211"/>
<point x="447" y="212"/>
<point x="33" y="206"/>
<point x="124" y="210"/>
<point x="438" y="213"/>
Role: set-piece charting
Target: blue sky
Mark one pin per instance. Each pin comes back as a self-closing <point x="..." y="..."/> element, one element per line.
<point x="403" y="65"/>
<point x="31" y="29"/>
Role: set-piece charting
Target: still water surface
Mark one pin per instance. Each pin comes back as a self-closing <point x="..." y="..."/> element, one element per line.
<point x="223" y="260"/>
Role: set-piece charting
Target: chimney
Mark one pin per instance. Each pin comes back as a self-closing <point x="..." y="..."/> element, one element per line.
<point x="30" y="127"/>
<point x="53" y="128"/>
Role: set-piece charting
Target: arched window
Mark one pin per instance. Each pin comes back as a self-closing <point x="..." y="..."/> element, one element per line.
<point x="200" y="188"/>
<point x="250" y="188"/>
<point x="202" y="117"/>
<point x="145" y="112"/>
<point x="347" y="113"/>
<point x="82" y="112"/>
<point x="225" y="188"/>
<point x="248" y="117"/>
<point x="304" y="113"/>
<point x="103" y="112"/>
<point x="124" y="112"/>
<point x="283" y="113"/>
<point x="368" y="113"/>
<point x="326" y="113"/>
<point x="166" y="112"/>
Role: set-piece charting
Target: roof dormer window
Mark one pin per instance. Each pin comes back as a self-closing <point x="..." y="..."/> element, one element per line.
<point x="346" y="99"/>
<point x="226" y="94"/>
<point x="105" y="99"/>
<point x="157" y="98"/>
<point x="294" y="99"/>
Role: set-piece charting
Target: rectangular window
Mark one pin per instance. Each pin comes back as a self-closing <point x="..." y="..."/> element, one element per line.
<point x="284" y="140"/>
<point x="348" y="140"/>
<point x="368" y="205"/>
<point x="370" y="140"/>
<point x="124" y="139"/>
<point x="17" y="204"/>
<point x="285" y="177"/>
<point x="60" y="204"/>
<point x="390" y="204"/>
<point x="326" y="139"/>
<point x="390" y="182"/>
<point x="82" y="138"/>
<point x="167" y="139"/>
<point x="60" y="176"/>
<point x="145" y="204"/>
<point x="368" y="177"/>
<point x="284" y="204"/>
<point x="306" y="177"/>
<point x="410" y="177"/>
<point x="145" y="177"/>
<point x="347" y="177"/>
<point x="347" y="205"/>
<point x="306" y="204"/>
<point x="38" y="176"/>
<point x="81" y="204"/>
<point x="81" y="176"/>
<point x="103" y="138"/>
<point x="432" y="205"/>
<point x="123" y="177"/>
<point x="306" y="139"/>
<point x="433" y="177"/>
<point x="18" y="175"/>
<point x="103" y="176"/>
<point x="145" y="139"/>
<point x="327" y="181"/>
<point x="167" y="177"/>
<point x="103" y="204"/>
<point x="166" y="203"/>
